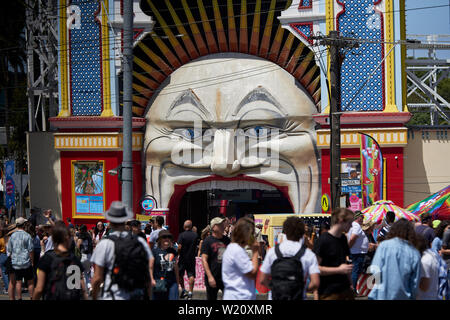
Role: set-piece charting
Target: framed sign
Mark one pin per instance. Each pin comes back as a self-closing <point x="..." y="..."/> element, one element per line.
<point x="88" y="189"/>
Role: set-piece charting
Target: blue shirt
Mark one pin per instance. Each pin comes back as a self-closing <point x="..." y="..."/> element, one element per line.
<point x="399" y="264"/>
<point x="436" y="245"/>
<point x="19" y="247"/>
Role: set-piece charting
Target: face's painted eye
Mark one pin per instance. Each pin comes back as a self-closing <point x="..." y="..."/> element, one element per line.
<point x="188" y="133"/>
<point x="257" y="131"/>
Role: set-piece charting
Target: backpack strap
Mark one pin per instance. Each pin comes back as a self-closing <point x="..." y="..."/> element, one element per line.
<point x="277" y="251"/>
<point x="114" y="239"/>
<point x="300" y="252"/>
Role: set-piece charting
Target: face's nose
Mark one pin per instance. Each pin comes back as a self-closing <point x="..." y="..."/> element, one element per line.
<point x="224" y="162"/>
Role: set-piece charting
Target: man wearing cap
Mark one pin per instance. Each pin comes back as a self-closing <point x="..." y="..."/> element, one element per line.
<point x="359" y="245"/>
<point x="104" y="256"/>
<point x="20" y="248"/>
<point x="212" y="251"/>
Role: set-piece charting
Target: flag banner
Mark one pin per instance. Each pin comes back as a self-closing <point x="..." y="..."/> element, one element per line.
<point x="371" y="170"/>
<point x="10" y="194"/>
<point x="438" y="205"/>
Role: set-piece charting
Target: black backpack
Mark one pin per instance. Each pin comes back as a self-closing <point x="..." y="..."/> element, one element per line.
<point x="130" y="270"/>
<point x="57" y="285"/>
<point x="287" y="276"/>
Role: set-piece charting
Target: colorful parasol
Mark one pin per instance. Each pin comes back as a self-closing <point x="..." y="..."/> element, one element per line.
<point x="378" y="210"/>
<point x="438" y="204"/>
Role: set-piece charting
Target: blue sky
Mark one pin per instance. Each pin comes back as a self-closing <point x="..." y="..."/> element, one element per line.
<point x="428" y="21"/>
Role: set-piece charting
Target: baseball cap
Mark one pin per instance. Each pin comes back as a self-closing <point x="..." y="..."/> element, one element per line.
<point x="216" y="220"/>
<point x="20" y="221"/>
<point x="367" y="225"/>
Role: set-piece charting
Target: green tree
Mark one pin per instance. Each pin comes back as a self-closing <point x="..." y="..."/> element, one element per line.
<point x="12" y="75"/>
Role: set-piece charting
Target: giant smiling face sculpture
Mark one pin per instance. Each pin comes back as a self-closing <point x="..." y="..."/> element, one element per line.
<point x="232" y="121"/>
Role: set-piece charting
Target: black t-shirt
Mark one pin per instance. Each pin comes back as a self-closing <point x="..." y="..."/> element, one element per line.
<point x="215" y="248"/>
<point x="164" y="267"/>
<point x="188" y="242"/>
<point x="45" y="264"/>
<point x="333" y="252"/>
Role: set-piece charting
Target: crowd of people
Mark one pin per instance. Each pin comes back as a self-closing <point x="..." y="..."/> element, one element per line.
<point x="120" y="260"/>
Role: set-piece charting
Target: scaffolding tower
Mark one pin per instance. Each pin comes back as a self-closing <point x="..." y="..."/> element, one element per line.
<point x="424" y="75"/>
<point x="42" y="62"/>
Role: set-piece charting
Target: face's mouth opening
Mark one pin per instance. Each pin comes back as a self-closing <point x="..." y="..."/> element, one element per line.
<point x="203" y="199"/>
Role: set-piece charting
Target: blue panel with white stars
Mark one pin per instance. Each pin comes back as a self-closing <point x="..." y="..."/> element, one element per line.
<point x="85" y="60"/>
<point x="304" y="30"/>
<point x="305" y="3"/>
<point x="361" y="21"/>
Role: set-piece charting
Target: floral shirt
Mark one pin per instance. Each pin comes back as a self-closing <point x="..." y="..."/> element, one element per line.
<point x="19" y="247"/>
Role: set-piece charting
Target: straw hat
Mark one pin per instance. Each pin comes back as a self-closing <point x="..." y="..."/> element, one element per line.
<point x="367" y="225"/>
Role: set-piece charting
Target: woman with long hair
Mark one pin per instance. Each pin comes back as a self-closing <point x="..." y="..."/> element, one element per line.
<point x="396" y="264"/>
<point x="99" y="232"/>
<point x="47" y="267"/>
<point x="238" y="270"/>
<point x="205" y="233"/>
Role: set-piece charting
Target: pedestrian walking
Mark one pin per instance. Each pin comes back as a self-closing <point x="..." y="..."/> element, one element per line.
<point x="212" y="251"/>
<point x="121" y="261"/>
<point x="425" y="228"/>
<point x="158" y="226"/>
<point x="187" y="249"/>
<point x="289" y="265"/>
<point x="3" y="257"/>
<point x="205" y="233"/>
<point x="436" y="245"/>
<point x="136" y="229"/>
<point x="332" y="255"/>
<point x="148" y="230"/>
<point x="396" y="264"/>
<point x="99" y="232"/>
<point x="86" y="247"/>
<point x="28" y="227"/>
<point x="164" y="268"/>
<point x="20" y="248"/>
<point x="429" y="275"/>
<point x="359" y="246"/>
<point x="238" y="270"/>
<point x="388" y="221"/>
<point x="55" y="268"/>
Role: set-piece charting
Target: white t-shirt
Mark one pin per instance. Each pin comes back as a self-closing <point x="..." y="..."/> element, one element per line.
<point x="235" y="264"/>
<point x="429" y="269"/>
<point x="361" y="244"/>
<point x="103" y="256"/>
<point x="289" y="248"/>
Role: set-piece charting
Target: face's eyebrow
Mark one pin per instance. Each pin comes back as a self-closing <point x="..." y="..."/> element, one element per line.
<point x="259" y="94"/>
<point x="188" y="97"/>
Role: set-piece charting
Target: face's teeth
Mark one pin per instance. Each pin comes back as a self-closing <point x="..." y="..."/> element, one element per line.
<point x="229" y="185"/>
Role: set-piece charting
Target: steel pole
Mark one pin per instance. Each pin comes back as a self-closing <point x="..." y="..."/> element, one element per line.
<point x="127" y="162"/>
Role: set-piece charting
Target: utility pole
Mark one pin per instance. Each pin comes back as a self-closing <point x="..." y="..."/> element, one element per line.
<point x="335" y="43"/>
<point x="127" y="161"/>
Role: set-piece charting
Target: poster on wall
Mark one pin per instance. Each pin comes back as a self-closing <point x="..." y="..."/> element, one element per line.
<point x="88" y="189"/>
<point x="371" y="170"/>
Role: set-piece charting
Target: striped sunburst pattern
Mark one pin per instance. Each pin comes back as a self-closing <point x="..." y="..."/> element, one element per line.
<point x="185" y="30"/>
